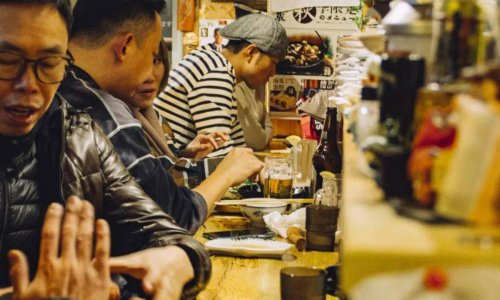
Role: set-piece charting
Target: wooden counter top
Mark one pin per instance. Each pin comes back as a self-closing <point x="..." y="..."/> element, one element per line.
<point x="236" y="278"/>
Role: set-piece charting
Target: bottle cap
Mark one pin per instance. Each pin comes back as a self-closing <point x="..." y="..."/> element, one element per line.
<point x="369" y="94"/>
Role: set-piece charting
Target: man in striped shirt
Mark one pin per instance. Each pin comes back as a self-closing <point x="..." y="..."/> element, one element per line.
<point x="199" y="97"/>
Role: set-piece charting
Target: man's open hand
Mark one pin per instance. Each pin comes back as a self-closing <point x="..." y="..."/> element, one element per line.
<point x="66" y="268"/>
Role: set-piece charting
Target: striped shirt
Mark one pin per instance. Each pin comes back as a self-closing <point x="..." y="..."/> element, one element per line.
<point x="199" y="99"/>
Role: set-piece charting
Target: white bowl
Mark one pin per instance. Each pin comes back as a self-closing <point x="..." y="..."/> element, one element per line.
<point x="352" y="43"/>
<point x="374" y="40"/>
<point x="255" y="212"/>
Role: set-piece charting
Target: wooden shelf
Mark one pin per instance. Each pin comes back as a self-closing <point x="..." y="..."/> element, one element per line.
<point x="284" y="115"/>
<point x="375" y="240"/>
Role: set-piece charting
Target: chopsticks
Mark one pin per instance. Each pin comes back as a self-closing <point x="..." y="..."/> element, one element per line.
<point x="229" y="218"/>
<point x="279" y="201"/>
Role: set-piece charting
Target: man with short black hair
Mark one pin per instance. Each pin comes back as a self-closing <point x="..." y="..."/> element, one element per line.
<point x="107" y="72"/>
<point x="199" y="97"/>
<point x="50" y="151"/>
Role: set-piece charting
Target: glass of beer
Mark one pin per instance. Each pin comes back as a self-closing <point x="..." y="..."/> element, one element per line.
<point x="278" y="177"/>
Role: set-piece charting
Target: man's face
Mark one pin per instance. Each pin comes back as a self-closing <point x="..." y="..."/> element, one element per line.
<point x="260" y="69"/>
<point x="218" y="38"/>
<point x="32" y="31"/>
<point x="138" y="66"/>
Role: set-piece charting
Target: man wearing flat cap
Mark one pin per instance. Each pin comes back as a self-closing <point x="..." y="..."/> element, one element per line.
<point x="199" y="97"/>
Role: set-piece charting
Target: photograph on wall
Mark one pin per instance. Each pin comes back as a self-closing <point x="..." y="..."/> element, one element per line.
<point x="209" y="32"/>
<point x="311" y="52"/>
<point x="287" y="91"/>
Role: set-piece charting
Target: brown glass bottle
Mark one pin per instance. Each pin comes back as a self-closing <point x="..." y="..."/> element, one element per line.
<point x="328" y="155"/>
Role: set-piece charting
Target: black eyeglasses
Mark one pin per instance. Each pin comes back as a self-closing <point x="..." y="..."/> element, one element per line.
<point x="48" y="70"/>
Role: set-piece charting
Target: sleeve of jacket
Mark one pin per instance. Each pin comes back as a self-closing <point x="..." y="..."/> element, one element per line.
<point x="138" y="223"/>
<point x="188" y="208"/>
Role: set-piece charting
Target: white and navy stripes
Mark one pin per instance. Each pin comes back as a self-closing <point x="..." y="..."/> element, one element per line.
<point x="199" y="99"/>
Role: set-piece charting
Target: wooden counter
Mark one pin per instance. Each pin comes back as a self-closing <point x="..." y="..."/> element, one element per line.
<point x="236" y="278"/>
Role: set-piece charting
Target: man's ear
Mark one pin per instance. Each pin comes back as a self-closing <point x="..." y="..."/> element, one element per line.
<point x="250" y="52"/>
<point x="122" y="45"/>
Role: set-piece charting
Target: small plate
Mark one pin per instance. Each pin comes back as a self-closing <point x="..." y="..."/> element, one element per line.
<point x="248" y="247"/>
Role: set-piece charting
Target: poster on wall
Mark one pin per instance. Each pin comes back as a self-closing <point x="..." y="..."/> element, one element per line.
<point x="209" y="29"/>
<point x="286" y="91"/>
<point x="166" y="20"/>
<point x="309" y="66"/>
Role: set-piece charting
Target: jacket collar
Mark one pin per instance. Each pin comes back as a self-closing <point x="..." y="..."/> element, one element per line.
<point x="79" y="73"/>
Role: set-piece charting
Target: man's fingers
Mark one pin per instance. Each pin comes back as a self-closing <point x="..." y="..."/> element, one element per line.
<point x="151" y="281"/>
<point x="222" y="136"/>
<point x="114" y="291"/>
<point x="70" y="228"/>
<point x="126" y="265"/>
<point x="51" y="230"/>
<point x="19" y="273"/>
<point x="102" y="247"/>
<point x="86" y="233"/>
<point x="212" y="141"/>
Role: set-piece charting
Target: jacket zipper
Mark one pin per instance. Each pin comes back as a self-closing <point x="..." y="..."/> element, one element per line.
<point x="4" y="205"/>
<point x="63" y="139"/>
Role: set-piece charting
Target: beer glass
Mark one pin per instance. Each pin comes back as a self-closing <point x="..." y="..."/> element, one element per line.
<point x="303" y="172"/>
<point x="278" y="177"/>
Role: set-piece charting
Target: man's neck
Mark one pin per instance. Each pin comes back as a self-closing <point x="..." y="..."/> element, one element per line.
<point x="92" y="62"/>
<point x="235" y="62"/>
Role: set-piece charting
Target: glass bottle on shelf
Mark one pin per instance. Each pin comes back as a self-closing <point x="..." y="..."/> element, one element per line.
<point x="458" y="39"/>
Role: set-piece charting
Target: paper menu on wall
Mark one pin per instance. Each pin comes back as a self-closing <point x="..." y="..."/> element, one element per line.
<point x="312" y="31"/>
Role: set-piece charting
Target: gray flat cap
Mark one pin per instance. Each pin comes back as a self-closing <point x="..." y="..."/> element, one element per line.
<point x="263" y="31"/>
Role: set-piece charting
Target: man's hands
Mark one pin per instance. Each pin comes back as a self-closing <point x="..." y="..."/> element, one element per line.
<point x="163" y="271"/>
<point x="72" y="273"/>
<point x="203" y="145"/>
<point x="67" y="269"/>
<point x="239" y="165"/>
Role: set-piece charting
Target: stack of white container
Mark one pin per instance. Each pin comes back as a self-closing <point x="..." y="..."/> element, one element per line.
<point x="351" y="68"/>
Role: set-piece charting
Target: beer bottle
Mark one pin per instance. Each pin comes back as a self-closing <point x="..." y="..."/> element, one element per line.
<point x="328" y="155"/>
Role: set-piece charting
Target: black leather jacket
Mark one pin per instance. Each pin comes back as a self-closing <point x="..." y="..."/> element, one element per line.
<point x="69" y="155"/>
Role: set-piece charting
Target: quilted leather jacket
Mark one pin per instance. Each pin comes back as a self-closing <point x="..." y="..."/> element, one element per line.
<point x="69" y="155"/>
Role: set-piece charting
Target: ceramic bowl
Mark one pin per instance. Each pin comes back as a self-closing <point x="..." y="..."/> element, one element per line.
<point x="255" y="212"/>
<point x="374" y="40"/>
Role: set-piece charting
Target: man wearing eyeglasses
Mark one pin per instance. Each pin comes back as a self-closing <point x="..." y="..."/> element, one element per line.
<point x="50" y="151"/>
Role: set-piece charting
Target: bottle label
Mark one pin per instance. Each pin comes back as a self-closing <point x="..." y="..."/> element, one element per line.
<point x="324" y="134"/>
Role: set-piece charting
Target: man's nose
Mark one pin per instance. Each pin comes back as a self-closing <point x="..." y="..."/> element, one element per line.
<point x="27" y="82"/>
